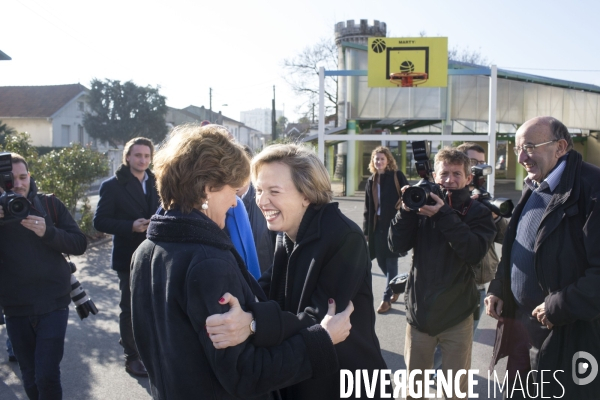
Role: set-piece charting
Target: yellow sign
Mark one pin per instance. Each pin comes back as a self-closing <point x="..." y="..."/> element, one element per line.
<point x="410" y="62"/>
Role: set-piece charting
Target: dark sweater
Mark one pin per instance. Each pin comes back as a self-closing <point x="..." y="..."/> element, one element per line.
<point x="524" y="283"/>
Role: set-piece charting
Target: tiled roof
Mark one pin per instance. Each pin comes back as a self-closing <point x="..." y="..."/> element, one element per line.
<point x="36" y="101"/>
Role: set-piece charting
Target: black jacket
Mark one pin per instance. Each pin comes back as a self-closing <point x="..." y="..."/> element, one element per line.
<point x="567" y="263"/>
<point x="441" y="290"/>
<point x="387" y="199"/>
<point x="34" y="275"/>
<point x="122" y="201"/>
<point x="178" y="276"/>
<point x="329" y="260"/>
<point x="264" y="239"/>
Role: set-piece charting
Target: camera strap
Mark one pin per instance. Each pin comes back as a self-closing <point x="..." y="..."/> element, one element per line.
<point x="399" y="190"/>
<point x="465" y="207"/>
<point x="53" y="207"/>
<point x="54" y="219"/>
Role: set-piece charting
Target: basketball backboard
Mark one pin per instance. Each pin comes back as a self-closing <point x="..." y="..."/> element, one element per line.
<point x="425" y="56"/>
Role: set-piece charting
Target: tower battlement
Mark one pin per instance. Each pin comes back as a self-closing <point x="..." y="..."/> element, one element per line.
<point x="350" y="31"/>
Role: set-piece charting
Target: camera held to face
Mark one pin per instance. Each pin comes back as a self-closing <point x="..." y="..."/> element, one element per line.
<point x="500" y="206"/>
<point x="15" y="206"/>
<point x="419" y="195"/>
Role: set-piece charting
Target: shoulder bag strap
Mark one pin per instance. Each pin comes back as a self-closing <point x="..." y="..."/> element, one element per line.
<point x="397" y="184"/>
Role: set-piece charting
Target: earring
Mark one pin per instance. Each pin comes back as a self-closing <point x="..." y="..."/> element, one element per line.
<point x="205" y="205"/>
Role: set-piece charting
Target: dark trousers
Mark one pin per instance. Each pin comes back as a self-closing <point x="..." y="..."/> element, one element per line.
<point x="125" y="325"/>
<point x="388" y="265"/>
<point x="525" y="353"/>
<point x="38" y="342"/>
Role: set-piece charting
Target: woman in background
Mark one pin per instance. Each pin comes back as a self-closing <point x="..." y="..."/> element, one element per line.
<point x="381" y="196"/>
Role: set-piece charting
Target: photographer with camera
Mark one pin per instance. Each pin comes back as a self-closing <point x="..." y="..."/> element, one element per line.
<point x="34" y="276"/>
<point x="449" y="235"/>
<point x="486" y="271"/>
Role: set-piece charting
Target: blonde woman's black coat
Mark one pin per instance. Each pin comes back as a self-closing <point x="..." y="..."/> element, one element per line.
<point x="329" y="260"/>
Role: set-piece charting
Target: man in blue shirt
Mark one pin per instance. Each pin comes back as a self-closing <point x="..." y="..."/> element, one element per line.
<point x="545" y="294"/>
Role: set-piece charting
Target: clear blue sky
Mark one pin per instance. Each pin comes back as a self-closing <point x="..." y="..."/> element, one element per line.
<point x="237" y="47"/>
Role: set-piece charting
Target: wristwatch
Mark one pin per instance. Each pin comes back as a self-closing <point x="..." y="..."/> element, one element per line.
<point x="253" y="327"/>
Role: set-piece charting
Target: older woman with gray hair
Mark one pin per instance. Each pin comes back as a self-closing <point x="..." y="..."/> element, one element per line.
<point x="320" y="254"/>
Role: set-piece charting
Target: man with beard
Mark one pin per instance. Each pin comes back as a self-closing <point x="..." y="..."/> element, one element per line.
<point x="35" y="282"/>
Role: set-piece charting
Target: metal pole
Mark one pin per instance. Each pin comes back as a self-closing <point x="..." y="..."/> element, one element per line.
<point x="321" y="141"/>
<point x="492" y="129"/>
<point x="273" y="118"/>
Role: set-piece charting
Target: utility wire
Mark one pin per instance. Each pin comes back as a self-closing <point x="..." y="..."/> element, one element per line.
<point x="52" y="23"/>
<point x="555" y="69"/>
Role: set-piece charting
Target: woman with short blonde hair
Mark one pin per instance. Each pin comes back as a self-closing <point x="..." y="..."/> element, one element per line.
<point x="308" y="173"/>
<point x="320" y="254"/>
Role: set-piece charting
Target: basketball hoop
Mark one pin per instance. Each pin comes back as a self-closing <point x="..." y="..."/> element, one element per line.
<point x="408" y="79"/>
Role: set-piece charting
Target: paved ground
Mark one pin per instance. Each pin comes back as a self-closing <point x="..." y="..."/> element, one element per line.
<point x="92" y="367"/>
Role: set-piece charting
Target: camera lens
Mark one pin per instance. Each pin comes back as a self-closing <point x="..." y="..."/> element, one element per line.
<point x="19" y="207"/>
<point x="414" y="197"/>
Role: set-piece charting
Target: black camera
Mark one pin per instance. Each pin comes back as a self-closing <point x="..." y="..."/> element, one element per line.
<point x="500" y="206"/>
<point x="15" y="206"/>
<point x="419" y="195"/>
<point x="83" y="303"/>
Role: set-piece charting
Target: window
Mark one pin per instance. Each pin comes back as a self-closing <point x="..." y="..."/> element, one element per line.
<point x="80" y="133"/>
<point x="80" y="105"/>
<point x="66" y="135"/>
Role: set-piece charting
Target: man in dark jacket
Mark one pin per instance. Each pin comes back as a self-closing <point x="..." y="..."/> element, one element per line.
<point x="127" y="201"/>
<point x="264" y="239"/>
<point x="545" y="294"/>
<point x="35" y="283"/>
<point x="447" y="239"/>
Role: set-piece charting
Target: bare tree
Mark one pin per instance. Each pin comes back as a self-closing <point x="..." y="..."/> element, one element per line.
<point x="302" y="74"/>
<point x="467" y="55"/>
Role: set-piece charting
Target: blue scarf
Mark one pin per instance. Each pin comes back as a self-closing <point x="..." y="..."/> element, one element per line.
<point x="240" y="232"/>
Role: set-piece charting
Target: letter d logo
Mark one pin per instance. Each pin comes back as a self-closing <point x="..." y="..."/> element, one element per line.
<point x="580" y="368"/>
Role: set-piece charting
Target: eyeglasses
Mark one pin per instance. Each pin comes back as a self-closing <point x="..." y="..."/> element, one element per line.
<point x="530" y="147"/>
<point x="475" y="162"/>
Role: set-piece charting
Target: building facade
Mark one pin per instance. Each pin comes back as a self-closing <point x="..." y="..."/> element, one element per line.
<point x="51" y="115"/>
<point x="260" y="119"/>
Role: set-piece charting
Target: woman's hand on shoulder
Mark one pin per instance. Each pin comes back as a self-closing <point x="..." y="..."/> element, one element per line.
<point x="231" y="328"/>
<point x="337" y="325"/>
